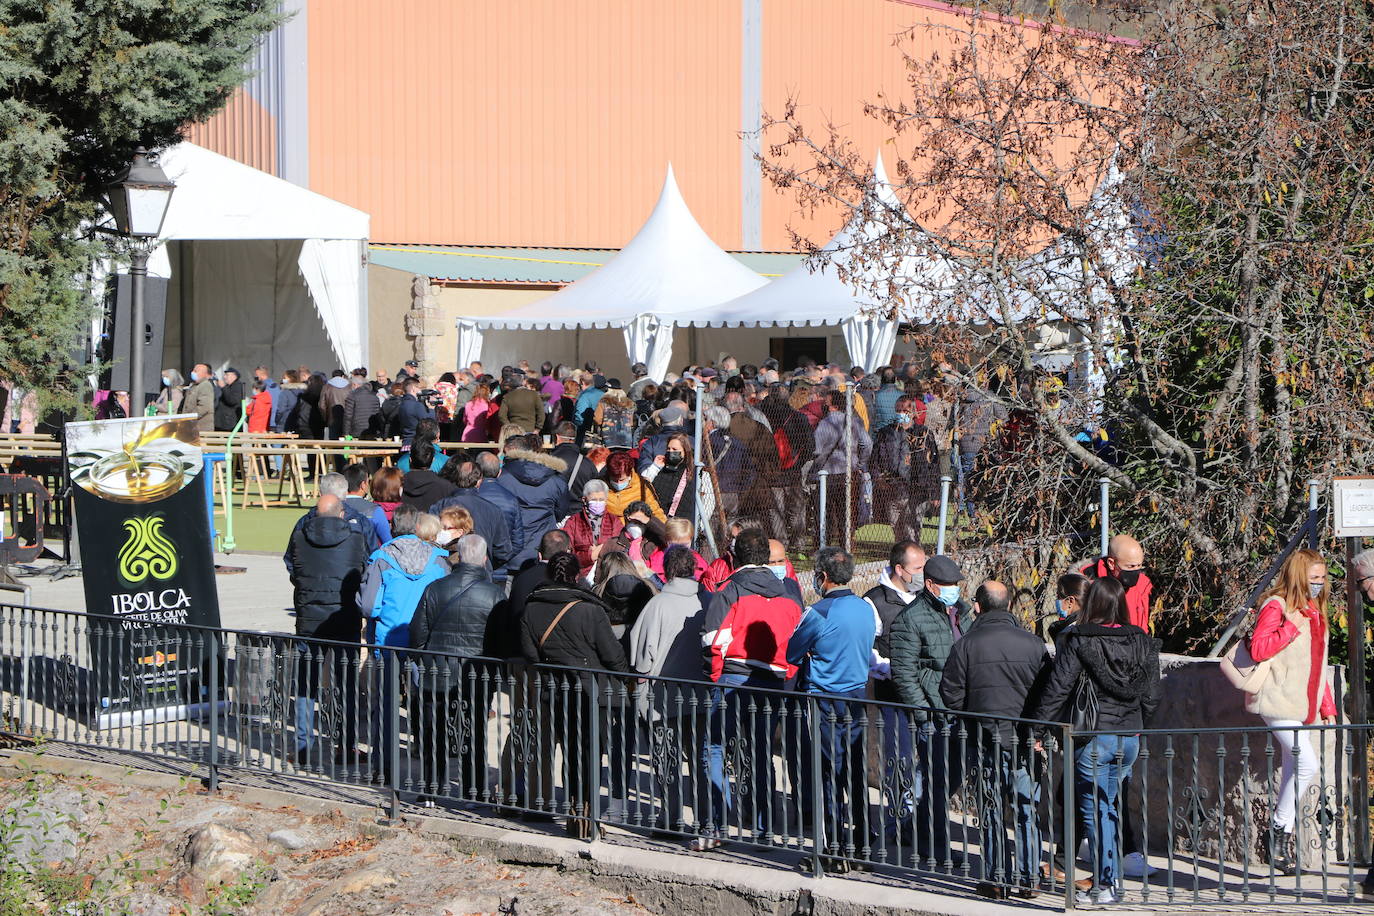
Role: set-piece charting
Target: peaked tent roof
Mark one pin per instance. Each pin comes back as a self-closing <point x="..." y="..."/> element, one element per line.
<point x="670" y="266"/>
<point x="219" y="198"/>
<point x="812" y="293"/>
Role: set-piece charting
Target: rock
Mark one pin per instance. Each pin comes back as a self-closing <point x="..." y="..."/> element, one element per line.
<point x="349" y="884"/>
<point x="288" y="838"/>
<point x="43" y="828"/>
<point x="145" y="903"/>
<point x="218" y="854"/>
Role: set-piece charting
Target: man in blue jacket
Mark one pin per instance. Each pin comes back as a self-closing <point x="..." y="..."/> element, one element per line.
<point x="410" y="412"/>
<point x="831" y="649"/>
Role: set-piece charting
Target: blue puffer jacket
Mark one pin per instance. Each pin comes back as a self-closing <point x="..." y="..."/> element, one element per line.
<point x="397" y="573"/>
<point x="535" y="481"/>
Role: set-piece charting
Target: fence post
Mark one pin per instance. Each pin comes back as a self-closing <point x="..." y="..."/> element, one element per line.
<point x="1069" y="851"/>
<point x="849" y="466"/>
<point x="945" y="481"/>
<point x="591" y="773"/>
<point x="822" y="484"/>
<point x="1105" y="504"/>
<point x="1313" y="500"/>
<point x="391" y="662"/>
<point x="212" y="758"/>
<point x="817" y="787"/>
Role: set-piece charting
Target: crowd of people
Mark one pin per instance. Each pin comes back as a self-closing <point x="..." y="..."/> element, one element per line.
<point x="582" y="556"/>
<point x="556" y="528"/>
<point x="882" y="438"/>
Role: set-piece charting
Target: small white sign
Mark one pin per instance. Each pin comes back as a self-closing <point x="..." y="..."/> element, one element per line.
<point x="1353" y="507"/>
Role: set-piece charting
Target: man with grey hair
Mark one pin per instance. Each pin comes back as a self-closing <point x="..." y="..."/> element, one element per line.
<point x="452" y="618"/>
<point x="335" y="485"/>
<point x="490" y="466"/>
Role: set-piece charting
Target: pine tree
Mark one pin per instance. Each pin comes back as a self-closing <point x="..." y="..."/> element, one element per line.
<point x="83" y="83"/>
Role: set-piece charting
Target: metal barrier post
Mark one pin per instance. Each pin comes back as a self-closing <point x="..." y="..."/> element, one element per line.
<point x="212" y="758"/>
<point x="697" y="527"/>
<point x="817" y="788"/>
<point x="591" y="773"/>
<point x="849" y="466"/>
<point x="1069" y="850"/>
<point x="822" y="479"/>
<point x="228" y="544"/>
<point x="1105" y="504"/>
<point x="392" y="663"/>
<point x="1313" y="502"/>
<point x="945" y="481"/>
<point x="25" y="650"/>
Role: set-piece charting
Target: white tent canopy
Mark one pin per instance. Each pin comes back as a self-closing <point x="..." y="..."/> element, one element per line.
<point x="262" y="271"/>
<point x="671" y="265"/>
<point x="813" y="293"/>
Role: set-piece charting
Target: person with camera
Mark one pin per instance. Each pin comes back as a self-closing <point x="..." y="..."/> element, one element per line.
<point x="410" y="411"/>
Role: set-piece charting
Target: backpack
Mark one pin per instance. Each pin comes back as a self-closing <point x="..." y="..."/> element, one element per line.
<point x="786" y="457"/>
<point x="617" y="426"/>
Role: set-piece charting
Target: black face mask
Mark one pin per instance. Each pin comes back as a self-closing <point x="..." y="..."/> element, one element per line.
<point x="672" y="460"/>
<point x="1129" y="577"/>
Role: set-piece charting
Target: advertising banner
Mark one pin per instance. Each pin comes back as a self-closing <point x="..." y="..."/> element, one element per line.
<point x="147" y="562"/>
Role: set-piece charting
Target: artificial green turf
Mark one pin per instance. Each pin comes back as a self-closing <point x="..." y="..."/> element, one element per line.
<point x="258" y="530"/>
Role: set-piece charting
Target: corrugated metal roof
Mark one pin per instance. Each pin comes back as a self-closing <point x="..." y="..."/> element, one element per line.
<point x="536" y="266"/>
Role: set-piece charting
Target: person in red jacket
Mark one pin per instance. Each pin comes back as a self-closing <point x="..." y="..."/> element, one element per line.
<point x="744" y="636"/>
<point x="1125" y="561"/>
<point x="260" y="410"/>
<point x="1291" y="636"/>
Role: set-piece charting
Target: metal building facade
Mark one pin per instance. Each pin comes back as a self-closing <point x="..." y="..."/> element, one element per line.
<point x="550" y="122"/>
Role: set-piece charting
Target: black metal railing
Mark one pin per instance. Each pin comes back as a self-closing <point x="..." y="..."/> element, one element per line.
<point x="830" y="784"/>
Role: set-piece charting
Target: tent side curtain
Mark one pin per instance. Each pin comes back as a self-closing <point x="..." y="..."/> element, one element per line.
<point x="870" y="339"/>
<point x="332" y="269"/>
<point x="469" y="342"/>
<point x="649" y="340"/>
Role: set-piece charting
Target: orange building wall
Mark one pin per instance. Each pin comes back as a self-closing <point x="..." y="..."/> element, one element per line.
<point x="540" y="122"/>
<point x="550" y="122"/>
<point x="243" y="131"/>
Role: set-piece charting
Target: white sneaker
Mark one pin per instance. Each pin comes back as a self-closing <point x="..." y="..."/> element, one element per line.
<point x="1101" y="896"/>
<point x="1135" y="866"/>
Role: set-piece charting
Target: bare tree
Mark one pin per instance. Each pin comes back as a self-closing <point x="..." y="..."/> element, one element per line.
<point x="1187" y="214"/>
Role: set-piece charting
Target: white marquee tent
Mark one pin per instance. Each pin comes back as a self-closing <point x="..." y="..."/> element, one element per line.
<point x="260" y="271"/>
<point x="813" y="294"/>
<point x="670" y="265"/>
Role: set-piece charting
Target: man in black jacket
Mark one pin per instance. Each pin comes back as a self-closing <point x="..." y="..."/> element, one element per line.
<point x="487" y="519"/>
<point x="228" y="400"/>
<point x="454" y="616"/>
<point x="996" y="669"/>
<point x="898" y="586"/>
<point x="326" y="557"/>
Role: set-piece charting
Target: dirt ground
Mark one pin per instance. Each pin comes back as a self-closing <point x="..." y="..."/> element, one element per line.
<point x="87" y="846"/>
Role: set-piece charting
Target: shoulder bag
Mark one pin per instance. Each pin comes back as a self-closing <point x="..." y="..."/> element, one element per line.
<point x="553" y="623"/>
<point x="1084" y="717"/>
<point x="1240" y="668"/>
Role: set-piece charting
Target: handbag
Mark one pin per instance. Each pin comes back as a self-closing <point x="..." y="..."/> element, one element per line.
<point x="1084" y="718"/>
<point x="1241" y="669"/>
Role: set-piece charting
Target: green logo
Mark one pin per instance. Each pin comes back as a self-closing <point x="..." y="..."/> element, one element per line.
<point x="146" y="552"/>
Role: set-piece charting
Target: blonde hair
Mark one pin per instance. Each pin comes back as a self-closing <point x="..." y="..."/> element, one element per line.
<point x="458" y="518"/>
<point x="427" y="527"/>
<point x="678" y="531"/>
<point x="1291" y="582"/>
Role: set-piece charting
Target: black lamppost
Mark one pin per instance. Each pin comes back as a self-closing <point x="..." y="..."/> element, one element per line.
<point x="138" y="201"/>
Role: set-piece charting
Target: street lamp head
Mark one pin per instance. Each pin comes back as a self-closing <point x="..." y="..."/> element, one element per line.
<point x="138" y="199"/>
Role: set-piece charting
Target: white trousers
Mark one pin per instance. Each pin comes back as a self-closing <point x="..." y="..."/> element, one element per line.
<point x="1300" y="768"/>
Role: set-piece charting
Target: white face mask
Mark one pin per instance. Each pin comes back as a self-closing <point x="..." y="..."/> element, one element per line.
<point x="444" y="538"/>
<point x="634" y="531"/>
